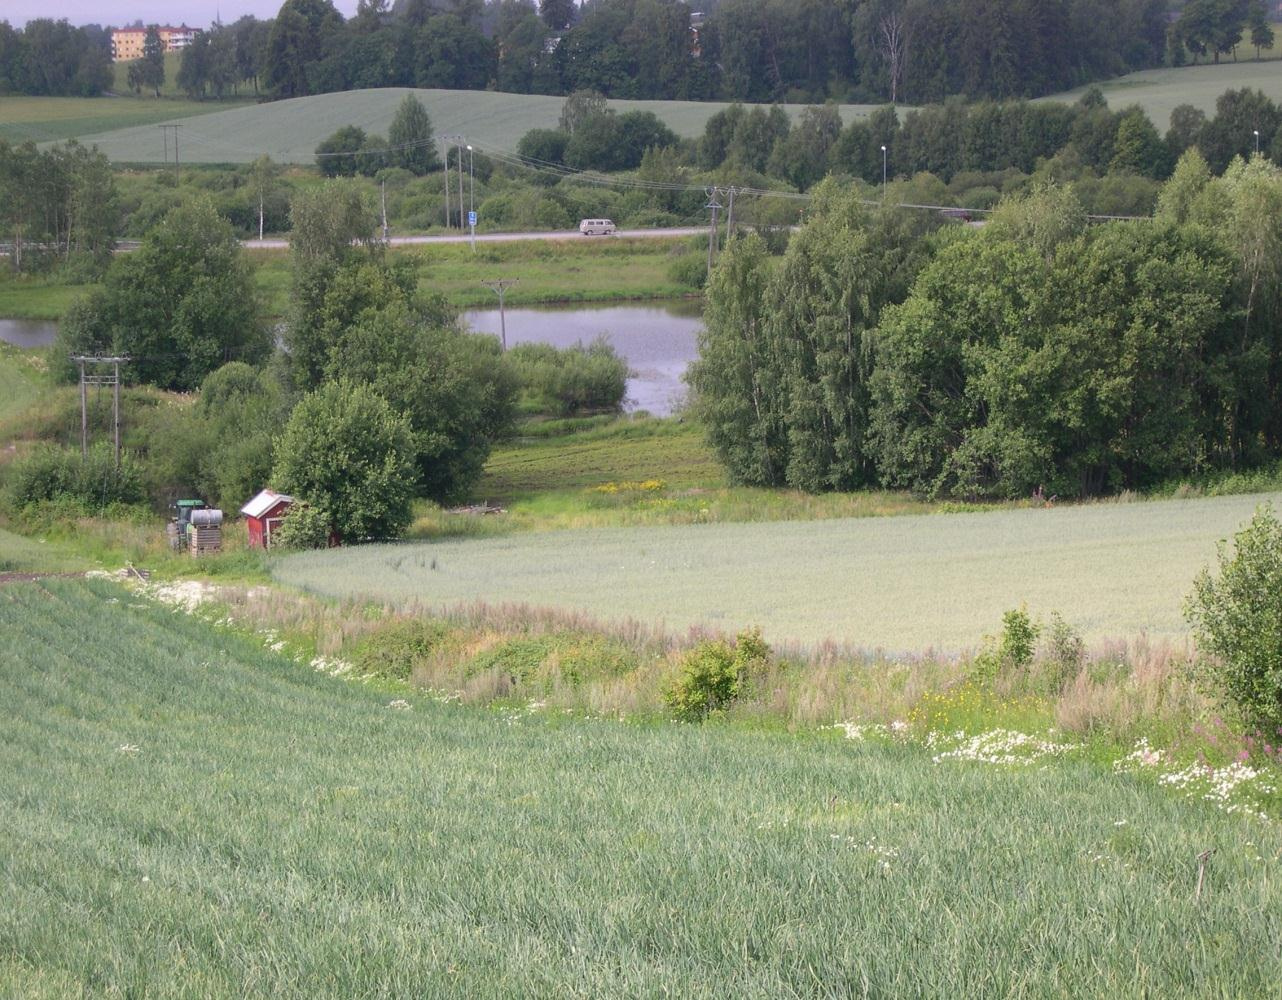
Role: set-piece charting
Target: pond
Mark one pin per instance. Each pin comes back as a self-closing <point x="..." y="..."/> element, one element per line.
<point x="658" y="340"/>
<point x="28" y="332"/>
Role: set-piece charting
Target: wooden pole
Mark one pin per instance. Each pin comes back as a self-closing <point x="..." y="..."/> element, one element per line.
<point x="116" y="408"/>
<point x="84" y="414"/>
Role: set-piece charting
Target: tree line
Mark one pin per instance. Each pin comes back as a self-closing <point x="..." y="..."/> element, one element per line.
<point x="51" y="58"/>
<point x="57" y="206"/>
<point x="744" y="50"/>
<point x="1040" y="355"/>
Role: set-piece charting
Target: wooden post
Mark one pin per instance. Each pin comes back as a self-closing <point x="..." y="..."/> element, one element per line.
<point x="84" y="413"/>
<point x="115" y="408"/>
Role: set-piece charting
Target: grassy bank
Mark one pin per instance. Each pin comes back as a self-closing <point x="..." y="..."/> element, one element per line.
<point x="192" y="813"/>
<point x="588" y="271"/>
<point x="37" y="298"/>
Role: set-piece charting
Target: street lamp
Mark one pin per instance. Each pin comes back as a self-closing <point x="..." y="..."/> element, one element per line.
<point x="883" y="173"/>
<point x="1257" y="142"/>
<point x="471" y="197"/>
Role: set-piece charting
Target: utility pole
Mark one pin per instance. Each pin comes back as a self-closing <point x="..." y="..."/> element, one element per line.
<point x="164" y="129"/>
<point x="730" y="217"/>
<point x="446" y="146"/>
<point x="499" y="287"/>
<point x="383" y="190"/>
<point x="471" y="196"/>
<point x="87" y="380"/>
<point x="712" y="227"/>
<point x="459" y="145"/>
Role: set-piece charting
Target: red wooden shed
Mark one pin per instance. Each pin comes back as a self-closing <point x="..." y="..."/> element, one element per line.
<point x="264" y="514"/>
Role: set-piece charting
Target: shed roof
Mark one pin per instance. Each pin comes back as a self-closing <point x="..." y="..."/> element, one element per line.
<point x="264" y="502"/>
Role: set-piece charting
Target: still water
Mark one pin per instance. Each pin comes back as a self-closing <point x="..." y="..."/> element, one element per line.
<point x="658" y="340"/>
<point x="27" y="332"/>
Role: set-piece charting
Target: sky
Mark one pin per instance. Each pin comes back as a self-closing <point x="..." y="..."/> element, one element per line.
<point x="197" y="13"/>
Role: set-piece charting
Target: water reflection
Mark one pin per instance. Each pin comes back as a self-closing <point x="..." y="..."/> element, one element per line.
<point x="28" y="333"/>
<point x="659" y="340"/>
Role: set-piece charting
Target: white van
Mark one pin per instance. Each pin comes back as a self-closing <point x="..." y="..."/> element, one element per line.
<point x="597" y="227"/>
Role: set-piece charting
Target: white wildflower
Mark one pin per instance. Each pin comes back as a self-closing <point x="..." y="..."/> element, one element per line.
<point x="998" y="746"/>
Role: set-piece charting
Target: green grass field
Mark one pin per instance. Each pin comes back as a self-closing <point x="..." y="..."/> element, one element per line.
<point x="902" y="583"/>
<point x="1160" y="91"/>
<point x="56" y="119"/>
<point x="26" y="555"/>
<point x="22" y="379"/>
<point x="188" y="814"/>
<point x="569" y="271"/>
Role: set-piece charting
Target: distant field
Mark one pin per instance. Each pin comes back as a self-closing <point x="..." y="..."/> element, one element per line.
<point x="290" y="130"/>
<point x="189" y="814"/>
<point x="56" y="119"/>
<point x="1160" y="91"/>
<point x="900" y="583"/>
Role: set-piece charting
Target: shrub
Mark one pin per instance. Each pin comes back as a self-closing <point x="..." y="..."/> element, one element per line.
<point x="306" y="527"/>
<point x="689" y="269"/>
<point x="713" y="675"/>
<point x="571" y="380"/>
<point x="1011" y="652"/>
<point x="392" y="650"/>
<point x="50" y="473"/>
<point x="1237" y="617"/>
<point x="1019" y="638"/>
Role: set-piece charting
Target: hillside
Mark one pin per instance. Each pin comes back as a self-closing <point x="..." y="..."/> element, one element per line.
<point x="289" y="131"/>
<point x="187" y="813"/>
<point x="1159" y="91"/>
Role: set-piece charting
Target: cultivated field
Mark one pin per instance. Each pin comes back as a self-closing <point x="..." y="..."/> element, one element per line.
<point x="902" y="583"/>
<point x="50" y="119"/>
<point x="1160" y="91"/>
<point x="290" y="130"/>
<point x="188" y="814"/>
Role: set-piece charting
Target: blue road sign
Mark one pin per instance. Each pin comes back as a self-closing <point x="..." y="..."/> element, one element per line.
<point x="471" y="218"/>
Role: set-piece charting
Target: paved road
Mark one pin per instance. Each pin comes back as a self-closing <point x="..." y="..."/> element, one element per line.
<point x="566" y="234"/>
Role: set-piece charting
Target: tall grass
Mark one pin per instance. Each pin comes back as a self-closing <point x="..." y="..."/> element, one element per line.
<point x="188" y="814"/>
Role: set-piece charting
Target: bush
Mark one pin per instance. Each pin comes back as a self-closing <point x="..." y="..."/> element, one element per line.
<point x="713" y="675"/>
<point x="1237" y="617"/>
<point x="393" y="649"/>
<point x="306" y="527"/>
<point x="50" y="473"/>
<point x="346" y="451"/>
<point x="1013" y="651"/>
<point x="572" y="380"/>
<point x="689" y="269"/>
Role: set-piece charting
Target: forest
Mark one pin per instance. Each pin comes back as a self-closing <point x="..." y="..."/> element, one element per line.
<point x="901" y="51"/>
